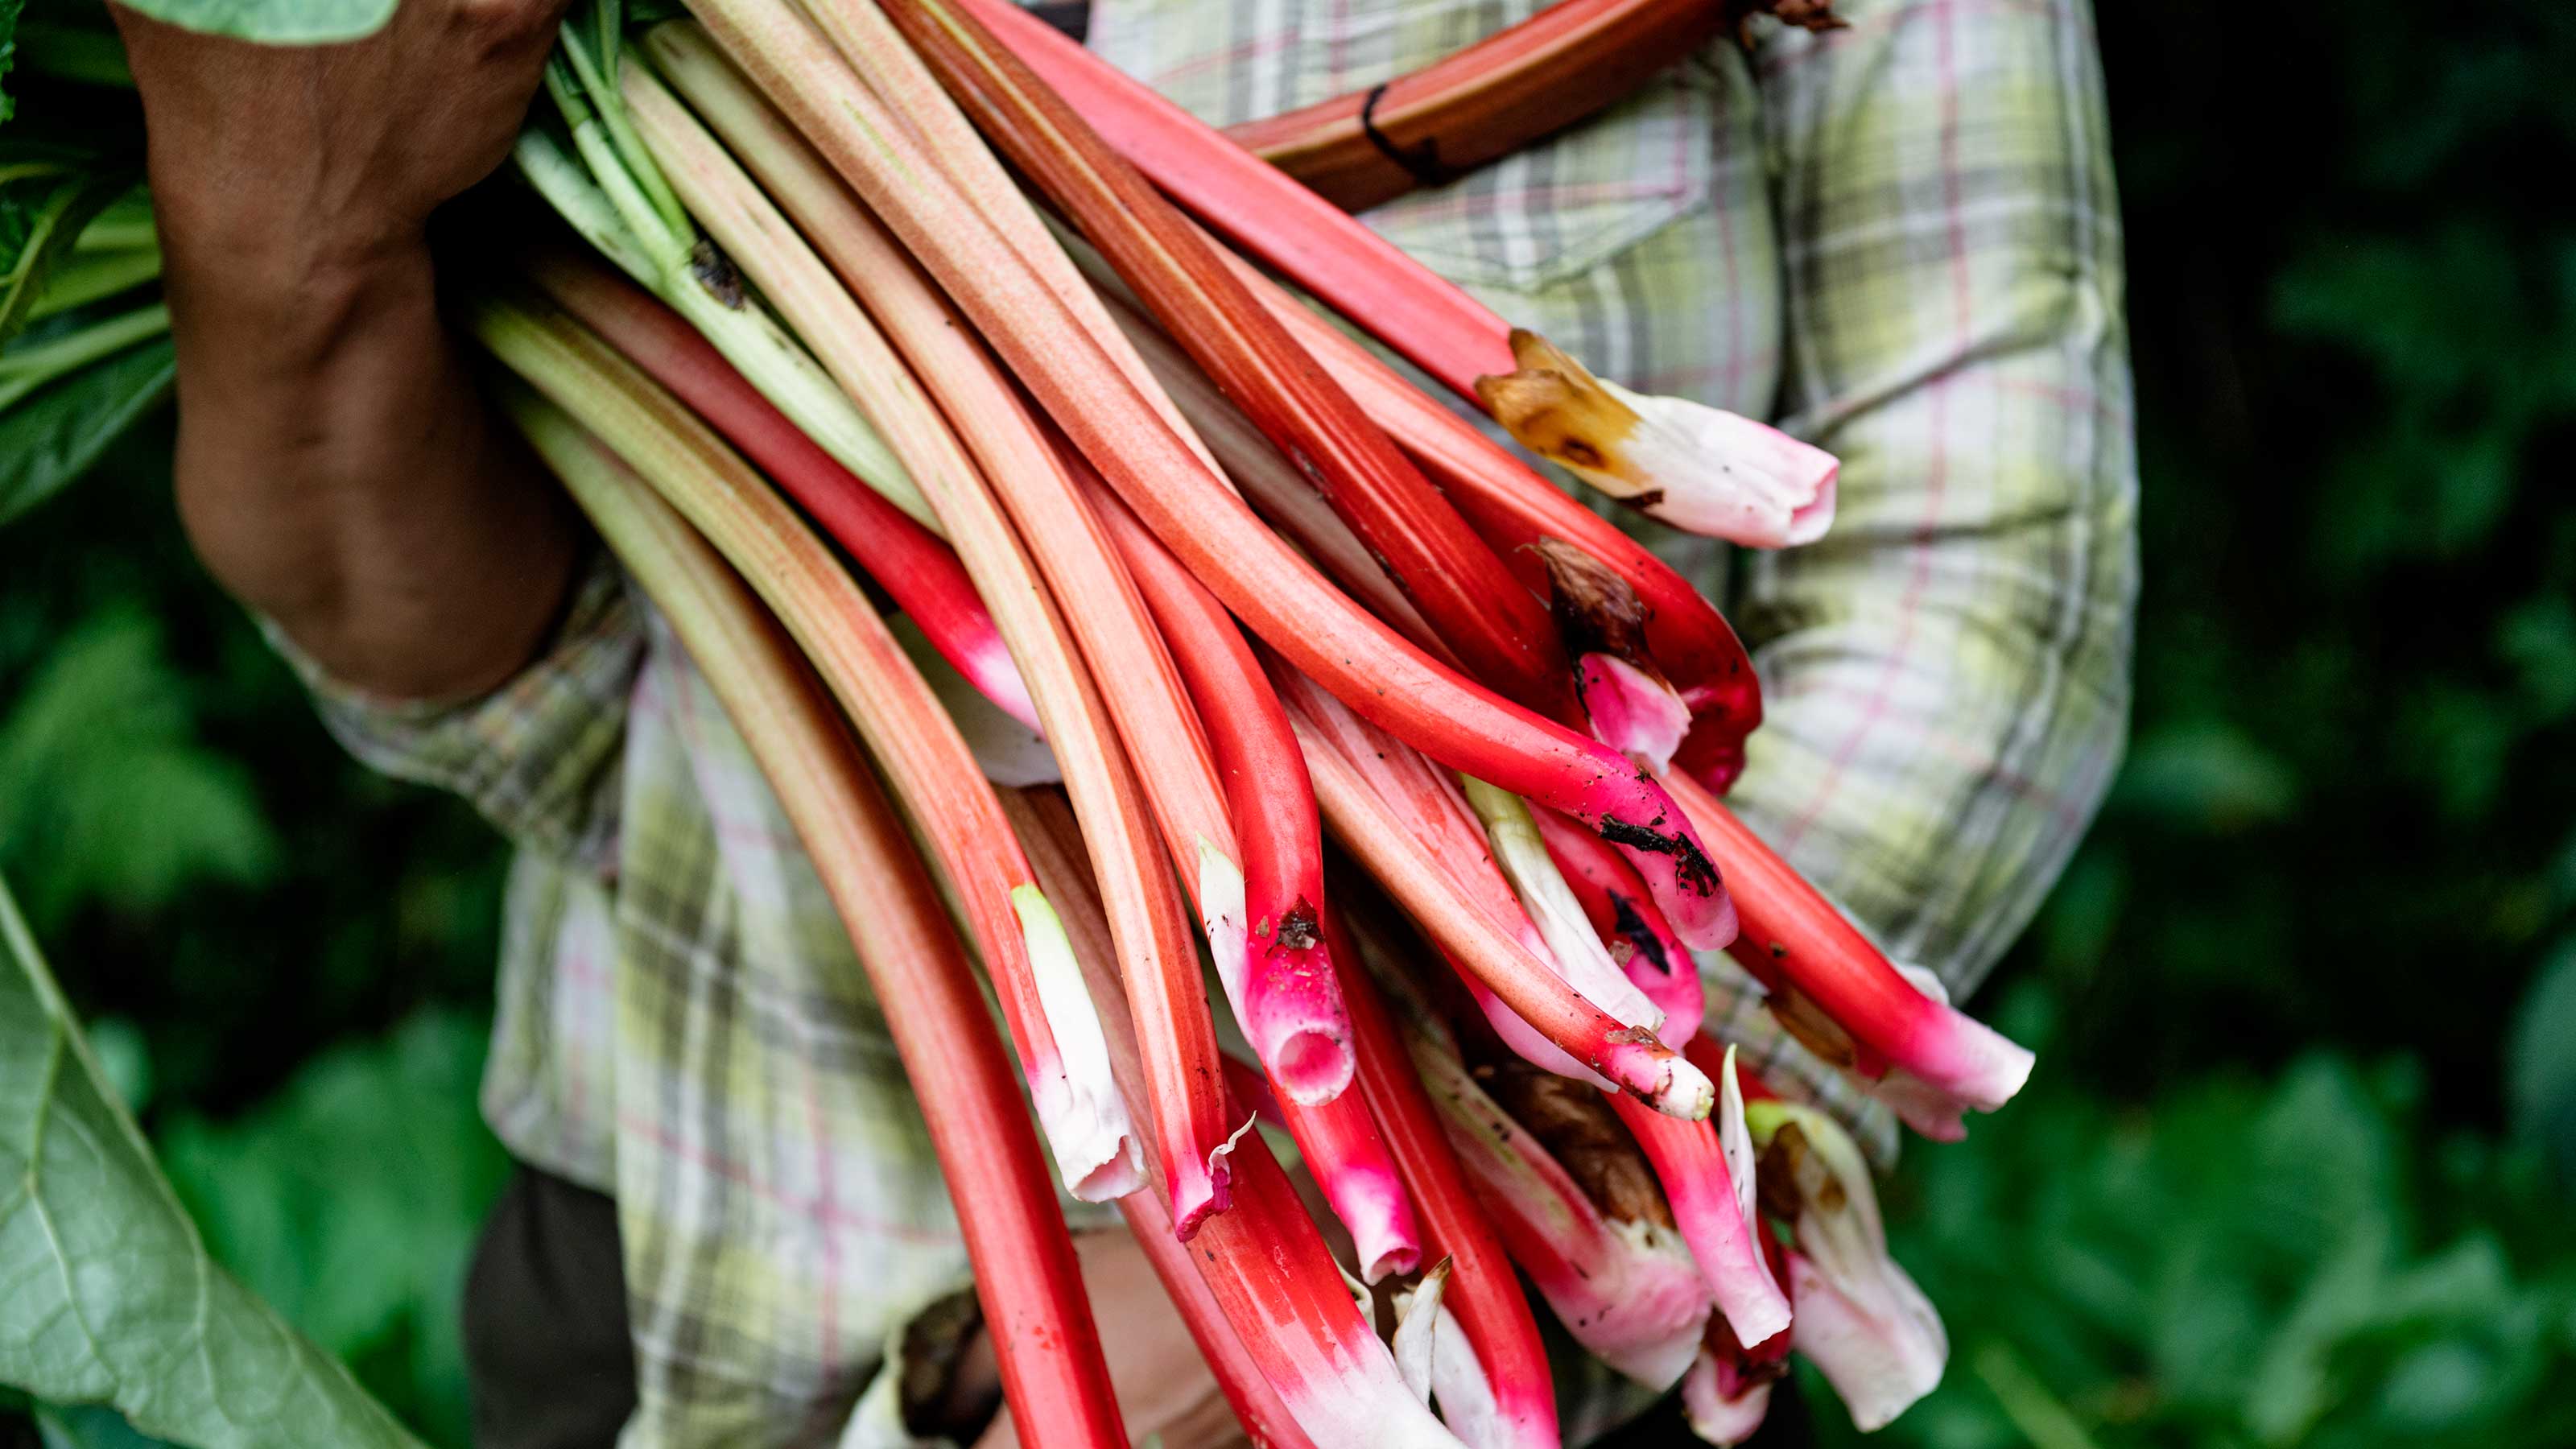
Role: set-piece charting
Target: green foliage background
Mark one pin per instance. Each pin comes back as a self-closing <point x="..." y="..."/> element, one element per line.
<point x="2296" y="1164"/>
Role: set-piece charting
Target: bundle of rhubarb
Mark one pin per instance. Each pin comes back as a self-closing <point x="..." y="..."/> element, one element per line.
<point x="1229" y="654"/>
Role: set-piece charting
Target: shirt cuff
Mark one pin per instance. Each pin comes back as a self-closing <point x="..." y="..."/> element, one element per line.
<point x="539" y="755"/>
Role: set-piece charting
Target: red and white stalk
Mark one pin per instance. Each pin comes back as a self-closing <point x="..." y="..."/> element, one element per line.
<point x="1259" y="577"/>
<point x="1408" y="825"/>
<point x="1626" y="1289"/>
<point x="1692" y="466"/>
<point x="1707" y="1172"/>
<point x="1283" y="988"/>
<point x="1615" y="902"/>
<point x="915" y="568"/>
<point x="1517" y="511"/>
<point x="1507" y="1376"/>
<point x="1052" y="1019"/>
<point x="1048" y="1350"/>
<point x="1349" y="1160"/>
<point x="1101" y="608"/>
<point x="1791" y="933"/>
<point x="1264" y="1263"/>
<point x="1580" y="955"/>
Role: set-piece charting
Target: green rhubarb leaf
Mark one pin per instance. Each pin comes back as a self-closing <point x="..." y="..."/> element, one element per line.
<point x="51" y="437"/>
<point x="110" y="1296"/>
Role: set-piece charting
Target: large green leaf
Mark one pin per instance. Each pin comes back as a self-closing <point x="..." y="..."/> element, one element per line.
<point x="51" y="438"/>
<point x="107" y="1294"/>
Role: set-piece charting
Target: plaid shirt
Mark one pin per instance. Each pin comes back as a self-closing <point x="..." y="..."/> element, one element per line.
<point x="1898" y="239"/>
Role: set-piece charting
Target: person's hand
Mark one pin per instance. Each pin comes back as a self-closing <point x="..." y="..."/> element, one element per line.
<point x="337" y="469"/>
<point x="293" y="158"/>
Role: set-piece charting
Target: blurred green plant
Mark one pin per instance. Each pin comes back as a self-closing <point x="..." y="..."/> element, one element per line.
<point x="2302" y="1261"/>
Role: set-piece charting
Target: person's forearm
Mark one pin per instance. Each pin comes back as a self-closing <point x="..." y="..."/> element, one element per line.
<point x="338" y="472"/>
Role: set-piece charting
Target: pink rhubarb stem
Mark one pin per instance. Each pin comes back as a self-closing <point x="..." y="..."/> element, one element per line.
<point x="1690" y="1162"/>
<point x="1616" y="903"/>
<point x="1626" y="1290"/>
<point x="918" y="571"/>
<point x="1455" y="581"/>
<point x="1264" y="1263"/>
<point x="1483" y="1291"/>
<point x="1453" y="890"/>
<point x="1258" y="576"/>
<point x="1348" y="1159"/>
<point x="1792" y="933"/>
<point x="1286" y="996"/>
<point x="1026" y="1276"/>
<point x="1514" y="509"/>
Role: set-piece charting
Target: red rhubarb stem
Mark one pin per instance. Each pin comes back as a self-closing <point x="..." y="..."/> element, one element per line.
<point x="1483" y="1290"/>
<point x="1286" y="997"/>
<point x="1616" y="903"/>
<point x="1348" y="1158"/>
<point x="1264" y="1263"/>
<point x="1792" y="933"/>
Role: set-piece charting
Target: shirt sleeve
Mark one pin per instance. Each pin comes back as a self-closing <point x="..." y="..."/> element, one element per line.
<point x="540" y="755"/>
<point x="1946" y="672"/>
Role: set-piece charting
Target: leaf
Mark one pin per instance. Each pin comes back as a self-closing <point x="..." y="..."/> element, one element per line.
<point x="275" y="22"/>
<point x="2541" y="1066"/>
<point x="9" y="12"/>
<point x="51" y="438"/>
<point x="47" y="195"/>
<point x="99" y="741"/>
<point x="88" y="1426"/>
<point x="110" y="1297"/>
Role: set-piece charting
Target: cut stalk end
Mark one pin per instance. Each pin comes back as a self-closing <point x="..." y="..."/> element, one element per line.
<point x="1684" y="463"/>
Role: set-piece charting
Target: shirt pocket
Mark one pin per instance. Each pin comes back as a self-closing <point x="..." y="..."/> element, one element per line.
<point x="1571" y="202"/>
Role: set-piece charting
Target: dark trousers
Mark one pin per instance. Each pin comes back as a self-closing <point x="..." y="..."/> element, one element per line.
<point x="546" y="1348"/>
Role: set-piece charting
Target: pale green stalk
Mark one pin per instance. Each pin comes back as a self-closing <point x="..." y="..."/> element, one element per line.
<point x="28" y="368"/>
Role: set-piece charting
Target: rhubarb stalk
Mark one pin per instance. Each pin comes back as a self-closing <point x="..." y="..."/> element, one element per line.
<point x="1707" y="1171"/>
<point x="1348" y="1158"/>
<point x="1484" y="1295"/>
<point x="1792" y="933"/>
<point x="1615" y="902"/>
<point x="1693" y="466"/>
<point x="1053" y="1022"/>
<point x="1624" y="1287"/>
<point x="1285" y="994"/>
<point x="1266" y="1265"/>
<point x="1386" y="805"/>
<point x="919" y="572"/>
<point x="1026" y="1276"/>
